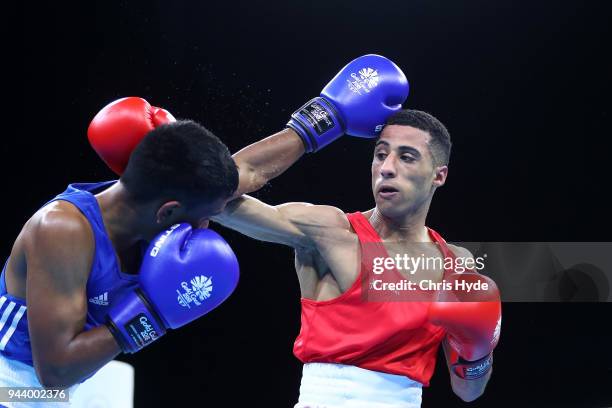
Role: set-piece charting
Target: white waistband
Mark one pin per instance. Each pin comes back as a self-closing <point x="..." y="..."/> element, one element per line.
<point x="326" y="385"/>
<point x="14" y="373"/>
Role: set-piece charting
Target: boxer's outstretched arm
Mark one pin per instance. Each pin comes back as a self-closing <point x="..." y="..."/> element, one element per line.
<point x="59" y="248"/>
<point x="299" y="225"/>
<point x="262" y="161"/>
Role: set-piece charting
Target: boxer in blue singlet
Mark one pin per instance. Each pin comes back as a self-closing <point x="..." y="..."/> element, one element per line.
<point x="80" y="254"/>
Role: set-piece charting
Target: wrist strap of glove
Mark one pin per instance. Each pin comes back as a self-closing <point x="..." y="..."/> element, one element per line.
<point x="134" y="323"/>
<point x="472" y="370"/>
<point x="318" y="123"/>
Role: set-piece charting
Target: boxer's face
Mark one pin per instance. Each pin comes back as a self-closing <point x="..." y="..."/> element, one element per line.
<point x="403" y="171"/>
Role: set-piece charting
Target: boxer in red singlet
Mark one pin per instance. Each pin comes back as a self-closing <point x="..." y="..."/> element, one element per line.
<point x="372" y="354"/>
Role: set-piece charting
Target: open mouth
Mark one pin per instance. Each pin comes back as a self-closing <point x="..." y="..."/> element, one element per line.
<point x="387" y="191"/>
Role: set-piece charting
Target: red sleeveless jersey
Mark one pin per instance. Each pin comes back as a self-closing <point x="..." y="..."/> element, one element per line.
<point x="389" y="337"/>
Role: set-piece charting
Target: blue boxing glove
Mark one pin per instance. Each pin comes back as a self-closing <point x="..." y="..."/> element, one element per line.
<point x="185" y="274"/>
<point x="357" y="101"/>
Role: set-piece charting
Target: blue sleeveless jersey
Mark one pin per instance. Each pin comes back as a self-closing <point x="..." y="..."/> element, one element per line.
<point x="105" y="284"/>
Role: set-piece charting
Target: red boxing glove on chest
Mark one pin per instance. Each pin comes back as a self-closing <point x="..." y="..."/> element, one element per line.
<point x="470" y="312"/>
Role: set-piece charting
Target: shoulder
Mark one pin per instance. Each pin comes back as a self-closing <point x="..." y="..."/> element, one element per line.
<point x="59" y="228"/>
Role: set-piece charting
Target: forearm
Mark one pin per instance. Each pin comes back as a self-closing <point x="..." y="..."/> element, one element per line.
<point x="469" y="390"/>
<point x="266" y="159"/>
<point x="83" y="355"/>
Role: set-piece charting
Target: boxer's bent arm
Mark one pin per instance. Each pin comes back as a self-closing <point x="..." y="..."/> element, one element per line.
<point x="266" y="159"/>
<point x="299" y="225"/>
<point x="467" y="390"/>
<point x="59" y="250"/>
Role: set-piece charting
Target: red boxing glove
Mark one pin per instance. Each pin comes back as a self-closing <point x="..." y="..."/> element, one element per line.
<point x="116" y="130"/>
<point x="470" y="311"/>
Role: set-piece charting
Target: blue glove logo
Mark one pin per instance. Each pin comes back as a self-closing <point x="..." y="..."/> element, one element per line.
<point x="201" y="288"/>
<point x="367" y="79"/>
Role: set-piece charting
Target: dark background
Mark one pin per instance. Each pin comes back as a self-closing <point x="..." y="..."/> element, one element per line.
<point x="523" y="87"/>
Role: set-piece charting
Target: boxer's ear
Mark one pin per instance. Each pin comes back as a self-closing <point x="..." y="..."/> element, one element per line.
<point x="167" y="212"/>
<point x="440" y="175"/>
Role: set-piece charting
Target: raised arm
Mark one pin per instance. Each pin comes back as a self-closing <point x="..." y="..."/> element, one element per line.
<point x="267" y="159"/>
<point x="355" y="107"/>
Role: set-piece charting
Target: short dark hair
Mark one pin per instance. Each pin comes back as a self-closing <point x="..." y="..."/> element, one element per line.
<point x="183" y="161"/>
<point x="440" y="145"/>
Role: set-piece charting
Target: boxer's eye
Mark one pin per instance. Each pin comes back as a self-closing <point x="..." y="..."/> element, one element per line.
<point x="380" y="156"/>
